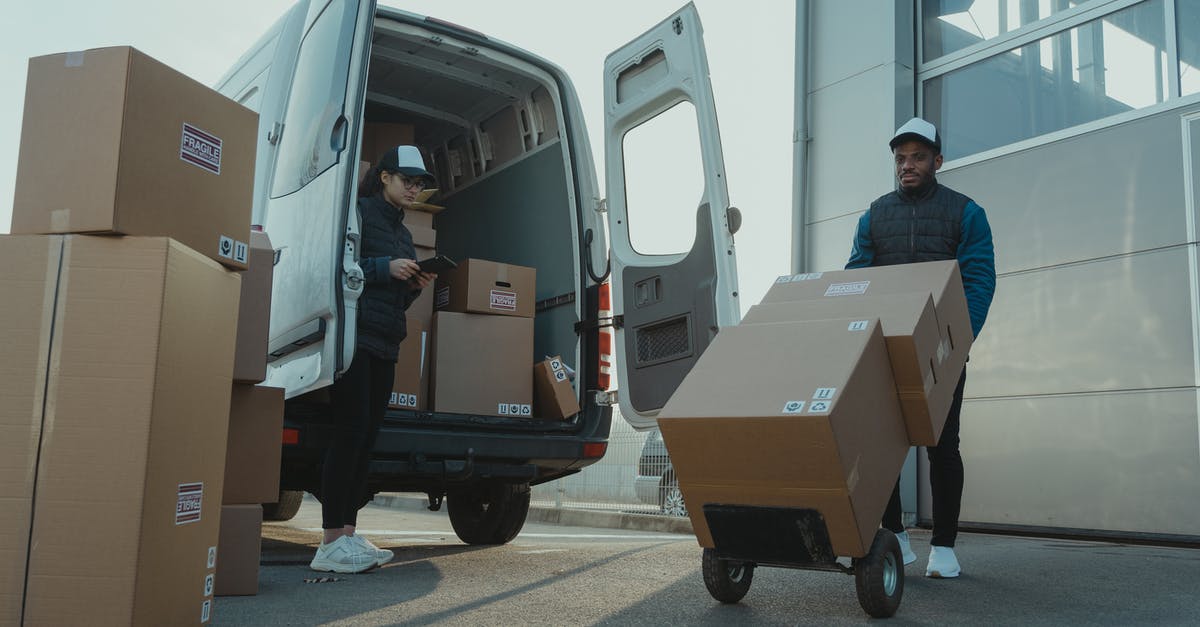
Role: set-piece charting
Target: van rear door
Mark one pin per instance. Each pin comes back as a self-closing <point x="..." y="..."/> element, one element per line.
<point x="674" y="271"/>
<point x="310" y="209"/>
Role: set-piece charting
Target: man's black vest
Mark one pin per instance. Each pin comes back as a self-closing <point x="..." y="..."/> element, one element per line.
<point x="910" y="230"/>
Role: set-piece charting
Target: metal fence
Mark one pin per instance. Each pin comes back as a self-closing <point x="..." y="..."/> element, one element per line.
<point x="606" y="485"/>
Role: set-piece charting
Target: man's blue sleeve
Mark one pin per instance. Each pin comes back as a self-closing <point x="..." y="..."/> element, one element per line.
<point x="977" y="263"/>
<point x="375" y="269"/>
<point x="863" y="253"/>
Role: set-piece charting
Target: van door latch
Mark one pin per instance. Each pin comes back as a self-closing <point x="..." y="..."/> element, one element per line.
<point x="275" y="132"/>
<point x="615" y="322"/>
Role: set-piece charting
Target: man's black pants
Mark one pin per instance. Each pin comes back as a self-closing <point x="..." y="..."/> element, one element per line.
<point x="359" y="398"/>
<point x="945" y="480"/>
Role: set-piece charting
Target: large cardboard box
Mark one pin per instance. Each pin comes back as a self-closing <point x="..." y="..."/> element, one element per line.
<point x="554" y="396"/>
<point x="28" y="286"/>
<point x="254" y="312"/>
<point x="422" y="308"/>
<point x="480" y="364"/>
<point x="148" y="151"/>
<point x="941" y="279"/>
<point x="487" y="287"/>
<point x="790" y="415"/>
<point x="411" y="383"/>
<point x="254" y="445"/>
<point x="381" y="136"/>
<point x="240" y="549"/>
<point x="910" y="329"/>
<point x="423" y="236"/>
<point x="129" y="467"/>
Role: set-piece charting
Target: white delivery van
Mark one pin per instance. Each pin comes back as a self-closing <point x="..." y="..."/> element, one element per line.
<point x="503" y="132"/>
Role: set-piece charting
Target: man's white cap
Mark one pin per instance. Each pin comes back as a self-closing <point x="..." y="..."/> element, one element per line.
<point x="407" y="161"/>
<point x="919" y="130"/>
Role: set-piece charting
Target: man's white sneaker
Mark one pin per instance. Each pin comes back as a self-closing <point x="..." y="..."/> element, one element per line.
<point x="906" y="548"/>
<point x="382" y="556"/>
<point x="942" y="563"/>
<point x="343" y="555"/>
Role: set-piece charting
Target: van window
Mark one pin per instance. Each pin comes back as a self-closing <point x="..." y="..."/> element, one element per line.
<point x="664" y="181"/>
<point x="316" y="101"/>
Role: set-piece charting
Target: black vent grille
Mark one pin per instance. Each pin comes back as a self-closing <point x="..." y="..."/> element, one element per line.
<point x="664" y="341"/>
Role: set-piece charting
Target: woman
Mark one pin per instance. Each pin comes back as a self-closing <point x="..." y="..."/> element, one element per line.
<point x="392" y="281"/>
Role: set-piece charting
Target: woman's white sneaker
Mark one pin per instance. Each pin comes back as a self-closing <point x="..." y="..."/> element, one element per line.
<point x="942" y="563"/>
<point x="382" y="556"/>
<point x="343" y="555"/>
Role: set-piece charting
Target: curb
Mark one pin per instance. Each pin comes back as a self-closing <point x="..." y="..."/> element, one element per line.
<point x="567" y="516"/>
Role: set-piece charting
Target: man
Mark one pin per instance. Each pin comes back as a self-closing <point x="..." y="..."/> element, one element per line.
<point x="923" y="220"/>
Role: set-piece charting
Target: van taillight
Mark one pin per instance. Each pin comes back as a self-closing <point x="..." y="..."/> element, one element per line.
<point x="291" y="436"/>
<point x="604" y="380"/>
<point x="593" y="450"/>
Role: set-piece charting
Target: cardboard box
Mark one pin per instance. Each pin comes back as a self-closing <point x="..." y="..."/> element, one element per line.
<point x="379" y="137"/>
<point x="27" y="289"/>
<point x="254" y="312"/>
<point x="480" y="364"/>
<point x="910" y="329"/>
<point x="422" y="236"/>
<point x="422" y="308"/>
<point x="128" y="484"/>
<point x="482" y="286"/>
<point x="240" y="549"/>
<point x="364" y="168"/>
<point x="939" y="278"/>
<point x="554" y="397"/>
<point x="254" y="445"/>
<point x="148" y="150"/>
<point x="798" y="415"/>
<point x="409" y="389"/>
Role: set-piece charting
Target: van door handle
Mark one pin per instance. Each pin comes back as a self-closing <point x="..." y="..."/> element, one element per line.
<point x="337" y="140"/>
<point x="275" y="132"/>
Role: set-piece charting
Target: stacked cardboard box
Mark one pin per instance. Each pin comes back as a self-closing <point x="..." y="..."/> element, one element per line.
<point x="419" y="220"/>
<point x="483" y="340"/>
<point x="411" y="383"/>
<point x="120" y="428"/>
<point x="813" y="402"/>
<point x="554" y="397"/>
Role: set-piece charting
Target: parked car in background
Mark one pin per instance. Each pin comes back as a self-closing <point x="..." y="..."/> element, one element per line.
<point x="655" y="482"/>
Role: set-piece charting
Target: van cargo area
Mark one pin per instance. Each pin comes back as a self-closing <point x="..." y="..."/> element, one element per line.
<point x="490" y="123"/>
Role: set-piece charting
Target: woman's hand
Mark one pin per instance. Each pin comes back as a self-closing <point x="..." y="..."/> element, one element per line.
<point x="422" y="280"/>
<point x="403" y="269"/>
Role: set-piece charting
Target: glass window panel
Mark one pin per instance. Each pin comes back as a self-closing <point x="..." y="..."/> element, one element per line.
<point x="664" y="181"/>
<point x="951" y="25"/>
<point x="1100" y="68"/>
<point x="1187" y="23"/>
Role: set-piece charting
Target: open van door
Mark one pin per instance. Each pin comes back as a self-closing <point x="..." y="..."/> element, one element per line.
<point x="674" y="272"/>
<point x="310" y="211"/>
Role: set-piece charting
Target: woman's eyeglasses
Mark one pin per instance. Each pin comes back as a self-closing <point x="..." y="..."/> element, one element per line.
<point x="417" y="183"/>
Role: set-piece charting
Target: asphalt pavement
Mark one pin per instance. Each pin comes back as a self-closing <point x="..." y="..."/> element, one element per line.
<point x="619" y="570"/>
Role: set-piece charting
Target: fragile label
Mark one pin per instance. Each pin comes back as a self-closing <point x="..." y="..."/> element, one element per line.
<point x="514" y="409"/>
<point x="824" y="394"/>
<point x="400" y="399"/>
<point x="212" y="557"/>
<point x="793" y="278"/>
<point x="793" y="407"/>
<point x="200" y="149"/>
<point x="847" y="289"/>
<point x="230" y="248"/>
<point x="187" y="505"/>
<point x="441" y="298"/>
<point x="556" y="364"/>
<point x="505" y="301"/>
<point x="858" y="325"/>
<point x="820" y="407"/>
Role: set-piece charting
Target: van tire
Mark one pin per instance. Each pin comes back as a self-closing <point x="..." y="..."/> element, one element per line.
<point x="488" y="513"/>
<point x="285" y="508"/>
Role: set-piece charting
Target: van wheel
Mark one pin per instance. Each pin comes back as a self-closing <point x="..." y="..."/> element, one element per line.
<point x="489" y="513"/>
<point x="285" y="508"/>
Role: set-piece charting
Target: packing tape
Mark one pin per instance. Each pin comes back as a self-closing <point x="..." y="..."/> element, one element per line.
<point x="501" y="273"/>
<point x="60" y="220"/>
<point x="74" y="59"/>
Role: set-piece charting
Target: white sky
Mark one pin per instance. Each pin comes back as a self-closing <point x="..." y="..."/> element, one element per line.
<point x="750" y="51"/>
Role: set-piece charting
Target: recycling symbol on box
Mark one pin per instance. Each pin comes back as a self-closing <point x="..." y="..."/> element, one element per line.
<point x="793" y="407"/>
